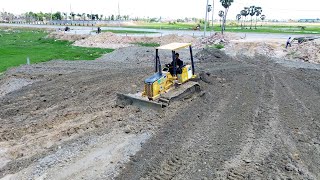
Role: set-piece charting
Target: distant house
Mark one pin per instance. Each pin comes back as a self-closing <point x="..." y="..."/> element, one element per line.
<point x="309" y="20"/>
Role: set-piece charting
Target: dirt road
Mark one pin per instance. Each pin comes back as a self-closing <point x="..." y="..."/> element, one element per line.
<point x="258" y="119"/>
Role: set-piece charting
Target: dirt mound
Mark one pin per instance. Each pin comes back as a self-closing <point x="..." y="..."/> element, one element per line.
<point x="211" y="55"/>
<point x="111" y="40"/>
<point x="216" y="38"/>
<point x="251" y="49"/>
<point x="68" y="37"/>
<point x="308" y="51"/>
<point x="175" y="38"/>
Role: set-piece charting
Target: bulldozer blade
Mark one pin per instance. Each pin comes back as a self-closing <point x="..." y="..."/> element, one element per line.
<point x="138" y="100"/>
<point x="180" y="92"/>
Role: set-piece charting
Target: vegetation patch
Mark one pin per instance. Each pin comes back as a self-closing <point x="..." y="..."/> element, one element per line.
<point x="17" y="45"/>
<point x="216" y="46"/>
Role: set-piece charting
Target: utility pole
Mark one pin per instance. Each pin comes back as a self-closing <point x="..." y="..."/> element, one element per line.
<point x="212" y="14"/>
<point x="119" y="13"/>
<point x="51" y="15"/>
<point x="118" y="9"/>
<point x="70" y="12"/>
<point x="205" y="20"/>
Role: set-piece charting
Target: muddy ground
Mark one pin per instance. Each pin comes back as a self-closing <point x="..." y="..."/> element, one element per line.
<point x="257" y="119"/>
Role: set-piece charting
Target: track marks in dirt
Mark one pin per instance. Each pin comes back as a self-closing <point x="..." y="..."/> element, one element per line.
<point x="167" y="169"/>
<point x="300" y="127"/>
<point x="208" y="140"/>
<point x="259" y="135"/>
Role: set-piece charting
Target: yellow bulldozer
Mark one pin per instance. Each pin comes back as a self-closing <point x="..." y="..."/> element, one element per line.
<point x="166" y="84"/>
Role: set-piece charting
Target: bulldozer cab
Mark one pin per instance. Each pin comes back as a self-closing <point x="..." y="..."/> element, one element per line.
<point x="173" y="47"/>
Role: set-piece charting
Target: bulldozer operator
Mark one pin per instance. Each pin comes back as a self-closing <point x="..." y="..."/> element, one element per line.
<point x="179" y="64"/>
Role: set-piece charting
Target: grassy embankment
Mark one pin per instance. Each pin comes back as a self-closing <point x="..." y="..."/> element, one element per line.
<point x="283" y="28"/>
<point x="17" y="45"/>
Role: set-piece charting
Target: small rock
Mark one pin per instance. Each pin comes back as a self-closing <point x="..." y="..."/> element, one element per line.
<point x="289" y="167"/>
<point x="122" y="125"/>
<point x="127" y="130"/>
<point x="121" y="106"/>
<point x="247" y="160"/>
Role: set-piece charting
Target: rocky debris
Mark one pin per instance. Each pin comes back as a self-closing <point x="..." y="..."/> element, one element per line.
<point x="216" y="38"/>
<point x="307" y="51"/>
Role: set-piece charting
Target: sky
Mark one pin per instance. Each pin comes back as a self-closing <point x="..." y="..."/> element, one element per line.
<point x="273" y="9"/>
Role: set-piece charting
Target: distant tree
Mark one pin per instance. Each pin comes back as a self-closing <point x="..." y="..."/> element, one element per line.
<point x="29" y="16"/>
<point x="262" y="17"/>
<point x="238" y="17"/>
<point x="226" y="4"/>
<point x="244" y="14"/>
<point x="79" y="16"/>
<point x="112" y="17"/>
<point x="47" y="16"/>
<point x="252" y="12"/>
<point x="83" y="15"/>
<point x="40" y="16"/>
<point x="258" y="13"/>
<point x="72" y="14"/>
<point x="65" y="15"/>
<point x="221" y="14"/>
<point x="247" y="12"/>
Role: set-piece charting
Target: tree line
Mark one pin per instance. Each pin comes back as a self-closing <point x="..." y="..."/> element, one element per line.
<point x="252" y="11"/>
<point x="40" y="16"/>
<point x="247" y="11"/>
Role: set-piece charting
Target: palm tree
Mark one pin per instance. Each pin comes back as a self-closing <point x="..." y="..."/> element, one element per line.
<point x="262" y="17"/>
<point x="258" y="13"/>
<point x="221" y="14"/>
<point x="79" y="16"/>
<point x="72" y="15"/>
<point x="252" y="13"/>
<point x="66" y="16"/>
<point x="238" y="17"/>
<point x="243" y="13"/>
<point x="226" y="4"/>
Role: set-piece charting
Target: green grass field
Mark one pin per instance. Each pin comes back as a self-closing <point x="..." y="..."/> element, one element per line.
<point x="266" y="28"/>
<point x="277" y="29"/>
<point x="17" y="45"/>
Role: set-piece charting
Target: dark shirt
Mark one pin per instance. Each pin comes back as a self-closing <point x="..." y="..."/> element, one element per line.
<point x="179" y="63"/>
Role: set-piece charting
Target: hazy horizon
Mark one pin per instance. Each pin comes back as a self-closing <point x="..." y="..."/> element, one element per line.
<point x="285" y="9"/>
